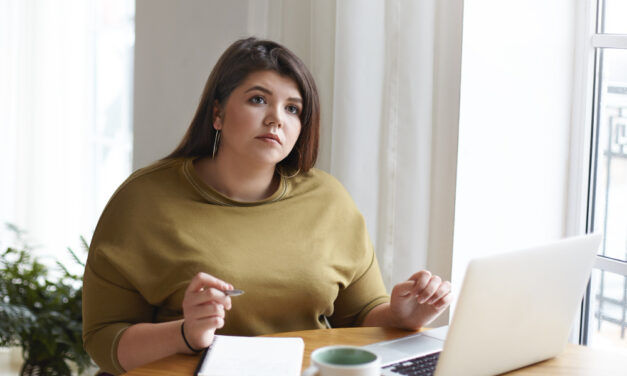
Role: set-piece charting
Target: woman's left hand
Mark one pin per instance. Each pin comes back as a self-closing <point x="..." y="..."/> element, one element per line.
<point x="419" y="300"/>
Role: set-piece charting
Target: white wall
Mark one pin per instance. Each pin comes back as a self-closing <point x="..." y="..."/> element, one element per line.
<point x="172" y="65"/>
<point x="514" y="129"/>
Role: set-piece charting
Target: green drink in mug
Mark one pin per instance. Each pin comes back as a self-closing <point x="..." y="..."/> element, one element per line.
<point x="343" y="361"/>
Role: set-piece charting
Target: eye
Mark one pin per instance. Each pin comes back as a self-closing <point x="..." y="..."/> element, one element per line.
<point x="257" y="99"/>
<point x="293" y="109"/>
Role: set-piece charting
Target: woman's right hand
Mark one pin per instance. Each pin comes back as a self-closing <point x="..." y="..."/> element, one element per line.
<point x="204" y="308"/>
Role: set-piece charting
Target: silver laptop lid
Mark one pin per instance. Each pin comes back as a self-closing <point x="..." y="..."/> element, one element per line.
<point x="517" y="308"/>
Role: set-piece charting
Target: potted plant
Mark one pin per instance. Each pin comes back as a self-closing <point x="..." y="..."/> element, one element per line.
<point x="41" y="314"/>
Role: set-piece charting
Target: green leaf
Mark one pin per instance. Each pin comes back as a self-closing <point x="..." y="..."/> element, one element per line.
<point x="40" y="313"/>
<point x="76" y="259"/>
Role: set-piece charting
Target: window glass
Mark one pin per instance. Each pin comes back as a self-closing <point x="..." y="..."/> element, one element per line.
<point x="607" y="324"/>
<point x="611" y="178"/>
<point x="613" y="17"/>
<point x="606" y="320"/>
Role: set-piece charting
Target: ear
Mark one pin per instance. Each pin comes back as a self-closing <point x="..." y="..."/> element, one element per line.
<point x="217" y="116"/>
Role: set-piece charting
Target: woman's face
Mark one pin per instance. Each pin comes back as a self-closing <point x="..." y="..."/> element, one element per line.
<point x="260" y="121"/>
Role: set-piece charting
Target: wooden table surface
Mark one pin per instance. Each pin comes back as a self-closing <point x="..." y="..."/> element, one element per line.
<point x="574" y="361"/>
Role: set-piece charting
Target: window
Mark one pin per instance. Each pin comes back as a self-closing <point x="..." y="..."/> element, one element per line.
<point x="65" y="116"/>
<point x="604" y="321"/>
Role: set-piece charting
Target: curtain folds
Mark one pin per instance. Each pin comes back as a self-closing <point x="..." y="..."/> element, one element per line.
<point x="44" y="120"/>
<point x="66" y="70"/>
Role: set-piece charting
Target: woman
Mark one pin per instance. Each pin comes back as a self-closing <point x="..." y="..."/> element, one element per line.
<point x="238" y="203"/>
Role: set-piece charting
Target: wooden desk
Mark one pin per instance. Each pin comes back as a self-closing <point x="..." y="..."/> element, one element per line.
<point x="575" y="361"/>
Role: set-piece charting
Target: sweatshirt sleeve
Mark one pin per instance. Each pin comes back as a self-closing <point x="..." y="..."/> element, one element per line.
<point x="356" y="300"/>
<point x="110" y="305"/>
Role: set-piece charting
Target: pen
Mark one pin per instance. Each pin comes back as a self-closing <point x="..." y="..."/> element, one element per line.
<point x="233" y="292"/>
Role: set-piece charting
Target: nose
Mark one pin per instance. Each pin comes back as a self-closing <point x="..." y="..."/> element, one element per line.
<point x="273" y="117"/>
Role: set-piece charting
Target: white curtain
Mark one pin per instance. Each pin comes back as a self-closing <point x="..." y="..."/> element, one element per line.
<point x="64" y="116"/>
<point x="46" y="101"/>
<point x="381" y="130"/>
<point x="374" y="64"/>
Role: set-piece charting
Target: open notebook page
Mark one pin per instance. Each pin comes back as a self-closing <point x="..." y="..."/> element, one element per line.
<point x="261" y="356"/>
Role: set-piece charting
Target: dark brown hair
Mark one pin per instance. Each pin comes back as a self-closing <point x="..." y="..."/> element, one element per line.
<point x="242" y="58"/>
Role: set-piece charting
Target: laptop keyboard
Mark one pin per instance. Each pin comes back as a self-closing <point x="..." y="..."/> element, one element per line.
<point x="421" y="366"/>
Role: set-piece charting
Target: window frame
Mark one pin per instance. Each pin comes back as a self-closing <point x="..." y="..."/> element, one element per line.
<point x="585" y="140"/>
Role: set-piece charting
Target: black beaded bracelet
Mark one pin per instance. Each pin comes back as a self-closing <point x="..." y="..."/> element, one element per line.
<point x="185" y="339"/>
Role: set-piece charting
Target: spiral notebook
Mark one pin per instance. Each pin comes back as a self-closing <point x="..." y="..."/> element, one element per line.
<point x="261" y="356"/>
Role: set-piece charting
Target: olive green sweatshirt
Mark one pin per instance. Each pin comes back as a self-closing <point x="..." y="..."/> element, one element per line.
<point x="301" y="255"/>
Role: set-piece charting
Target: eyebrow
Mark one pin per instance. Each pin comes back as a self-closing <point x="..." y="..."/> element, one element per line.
<point x="264" y="90"/>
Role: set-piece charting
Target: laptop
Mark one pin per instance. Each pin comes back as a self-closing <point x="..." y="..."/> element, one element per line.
<point x="514" y="309"/>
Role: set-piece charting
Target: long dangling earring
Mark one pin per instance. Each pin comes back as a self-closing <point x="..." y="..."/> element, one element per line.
<point x="216" y="142"/>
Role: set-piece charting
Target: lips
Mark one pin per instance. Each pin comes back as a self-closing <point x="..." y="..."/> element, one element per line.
<point x="270" y="137"/>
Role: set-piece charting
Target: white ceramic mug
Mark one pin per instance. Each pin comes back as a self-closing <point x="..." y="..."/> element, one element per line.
<point x="343" y="361"/>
